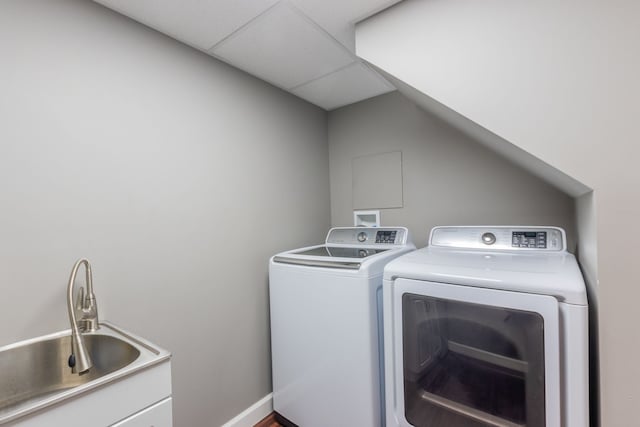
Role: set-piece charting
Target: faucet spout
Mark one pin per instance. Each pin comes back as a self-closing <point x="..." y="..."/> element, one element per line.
<point x="80" y="361"/>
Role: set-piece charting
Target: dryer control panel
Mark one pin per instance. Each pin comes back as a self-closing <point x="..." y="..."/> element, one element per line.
<point x="526" y="238"/>
<point x="529" y="239"/>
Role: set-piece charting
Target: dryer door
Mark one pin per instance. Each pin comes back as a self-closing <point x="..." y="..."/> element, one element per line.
<point x="475" y="357"/>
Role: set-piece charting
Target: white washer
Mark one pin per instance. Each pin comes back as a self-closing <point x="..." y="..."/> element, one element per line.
<point x="326" y="327"/>
<point x="487" y="326"/>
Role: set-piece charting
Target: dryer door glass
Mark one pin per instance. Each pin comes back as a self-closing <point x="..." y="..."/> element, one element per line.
<point x="472" y="365"/>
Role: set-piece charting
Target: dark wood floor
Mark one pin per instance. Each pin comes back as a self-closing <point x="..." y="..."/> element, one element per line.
<point x="268" y="421"/>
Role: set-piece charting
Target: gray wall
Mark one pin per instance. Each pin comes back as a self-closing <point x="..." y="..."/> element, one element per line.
<point x="176" y="175"/>
<point x="448" y="178"/>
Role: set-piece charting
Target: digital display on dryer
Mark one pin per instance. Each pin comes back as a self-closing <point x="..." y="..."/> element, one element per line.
<point x="529" y="239"/>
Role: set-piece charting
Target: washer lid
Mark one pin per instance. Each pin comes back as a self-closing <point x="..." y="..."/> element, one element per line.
<point x="546" y="273"/>
<point x="352" y="248"/>
<point x="338" y="251"/>
<point x="346" y="258"/>
<point x="328" y="256"/>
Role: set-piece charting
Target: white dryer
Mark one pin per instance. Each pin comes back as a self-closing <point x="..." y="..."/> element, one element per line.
<point x="326" y="327"/>
<point x="487" y="326"/>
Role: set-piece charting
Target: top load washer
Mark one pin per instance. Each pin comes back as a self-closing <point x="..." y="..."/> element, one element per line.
<point x="326" y="327"/>
<point x="487" y="326"/>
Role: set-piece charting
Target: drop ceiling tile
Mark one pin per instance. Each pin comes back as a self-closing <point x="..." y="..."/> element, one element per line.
<point x="199" y="23"/>
<point x="338" y="16"/>
<point x="351" y="84"/>
<point x="284" y="47"/>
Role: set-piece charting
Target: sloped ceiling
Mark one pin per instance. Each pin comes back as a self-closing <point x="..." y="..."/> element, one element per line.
<point x="305" y="47"/>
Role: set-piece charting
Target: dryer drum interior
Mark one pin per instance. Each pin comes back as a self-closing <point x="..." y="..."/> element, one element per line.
<point x="472" y="365"/>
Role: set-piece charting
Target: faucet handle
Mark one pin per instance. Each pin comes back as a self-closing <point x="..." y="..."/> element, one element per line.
<point x="80" y="300"/>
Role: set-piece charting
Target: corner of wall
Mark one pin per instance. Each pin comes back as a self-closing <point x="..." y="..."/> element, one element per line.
<point x="587" y="255"/>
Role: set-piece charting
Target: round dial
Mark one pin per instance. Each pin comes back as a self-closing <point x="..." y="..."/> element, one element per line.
<point x="488" y="238"/>
<point x="362" y="236"/>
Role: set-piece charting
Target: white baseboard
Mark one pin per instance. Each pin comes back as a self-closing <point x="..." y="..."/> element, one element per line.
<point x="254" y="413"/>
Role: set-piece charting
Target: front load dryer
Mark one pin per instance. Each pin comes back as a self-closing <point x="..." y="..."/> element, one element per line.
<point x="487" y="326"/>
<point x="326" y="327"/>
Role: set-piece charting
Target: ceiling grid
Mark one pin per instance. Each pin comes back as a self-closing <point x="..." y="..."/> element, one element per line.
<point x="302" y="46"/>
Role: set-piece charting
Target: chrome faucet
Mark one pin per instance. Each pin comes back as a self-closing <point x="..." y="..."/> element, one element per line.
<point x="87" y="310"/>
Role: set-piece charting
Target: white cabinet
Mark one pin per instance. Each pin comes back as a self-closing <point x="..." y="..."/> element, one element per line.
<point x="140" y="399"/>
<point x="158" y="415"/>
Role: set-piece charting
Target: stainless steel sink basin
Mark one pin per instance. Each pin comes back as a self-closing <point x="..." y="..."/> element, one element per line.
<point x="34" y="373"/>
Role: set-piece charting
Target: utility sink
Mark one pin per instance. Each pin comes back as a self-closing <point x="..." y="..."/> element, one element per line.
<point x="35" y="374"/>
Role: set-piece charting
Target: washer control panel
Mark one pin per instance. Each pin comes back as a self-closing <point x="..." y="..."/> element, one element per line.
<point x="500" y="238"/>
<point x="365" y="236"/>
<point x="386" y="236"/>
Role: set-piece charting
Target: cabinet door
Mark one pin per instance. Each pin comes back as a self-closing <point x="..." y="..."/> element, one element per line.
<point x="158" y="415"/>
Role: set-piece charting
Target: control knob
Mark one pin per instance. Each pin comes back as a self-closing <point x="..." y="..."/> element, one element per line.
<point x="362" y="236"/>
<point x="488" y="238"/>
